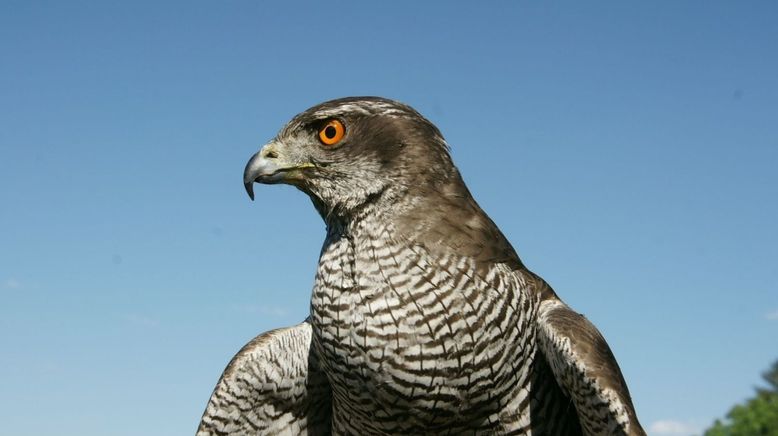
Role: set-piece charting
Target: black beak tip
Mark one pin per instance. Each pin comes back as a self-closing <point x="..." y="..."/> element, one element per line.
<point x="249" y="189"/>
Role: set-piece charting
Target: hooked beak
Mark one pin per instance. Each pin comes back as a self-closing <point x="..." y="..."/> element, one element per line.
<point x="267" y="166"/>
<point x="259" y="169"/>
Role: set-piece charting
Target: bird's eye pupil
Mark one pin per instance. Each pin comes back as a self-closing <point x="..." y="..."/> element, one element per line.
<point x="330" y="132"/>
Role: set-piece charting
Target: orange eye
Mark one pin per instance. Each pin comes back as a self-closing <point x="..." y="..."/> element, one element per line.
<point x="332" y="132"/>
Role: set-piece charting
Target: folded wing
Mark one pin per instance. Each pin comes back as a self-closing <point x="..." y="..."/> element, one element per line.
<point x="585" y="370"/>
<point x="272" y="386"/>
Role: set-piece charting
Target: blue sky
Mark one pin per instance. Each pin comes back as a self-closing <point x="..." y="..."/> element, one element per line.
<point x="628" y="151"/>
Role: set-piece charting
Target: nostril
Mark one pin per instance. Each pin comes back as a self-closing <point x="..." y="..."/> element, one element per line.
<point x="270" y="154"/>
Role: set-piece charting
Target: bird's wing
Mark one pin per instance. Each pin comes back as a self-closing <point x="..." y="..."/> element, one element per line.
<point x="585" y="369"/>
<point x="272" y="386"/>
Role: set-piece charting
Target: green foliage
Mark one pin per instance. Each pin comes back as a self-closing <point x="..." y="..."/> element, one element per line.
<point x="757" y="417"/>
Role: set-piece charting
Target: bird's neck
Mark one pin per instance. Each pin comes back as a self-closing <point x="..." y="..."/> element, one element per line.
<point x="383" y="203"/>
<point x="355" y="223"/>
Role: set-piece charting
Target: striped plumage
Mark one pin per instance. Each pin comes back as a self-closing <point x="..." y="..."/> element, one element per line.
<point x="423" y="318"/>
<point x="267" y="388"/>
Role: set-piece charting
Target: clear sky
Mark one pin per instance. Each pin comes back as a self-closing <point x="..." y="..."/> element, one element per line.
<point x="629" y="150"/>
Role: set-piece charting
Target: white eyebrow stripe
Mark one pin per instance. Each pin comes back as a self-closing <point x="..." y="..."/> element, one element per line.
<point x="346" y="108"/>
<point x="364" y="108"/>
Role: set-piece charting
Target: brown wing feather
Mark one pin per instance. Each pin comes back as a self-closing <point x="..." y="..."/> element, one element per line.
<point x="585" y="370"/>
<point x="273" y="385"/>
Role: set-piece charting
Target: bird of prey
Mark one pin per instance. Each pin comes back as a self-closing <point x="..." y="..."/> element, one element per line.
<point x="423" y="319"/>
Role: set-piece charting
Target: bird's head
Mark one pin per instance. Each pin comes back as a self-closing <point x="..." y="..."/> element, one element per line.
<point x="350" y="152"/>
